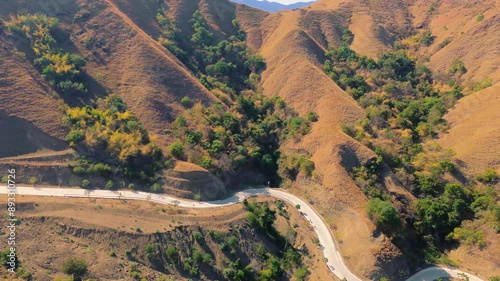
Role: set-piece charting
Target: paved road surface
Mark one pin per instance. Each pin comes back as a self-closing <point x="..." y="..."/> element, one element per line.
<point x="330" y="251"/>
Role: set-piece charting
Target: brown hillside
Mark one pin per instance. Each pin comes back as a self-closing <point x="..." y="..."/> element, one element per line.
<point x="28" y="110"/>
<point x="474" y="130"/>
<point x="473" y="40"/>
<point x="92" y="229"/>
<point x="372" y="22"/>
<point x="128" y="63"/>
<point x="142" y="72"/>
<point x="293" y="44"/>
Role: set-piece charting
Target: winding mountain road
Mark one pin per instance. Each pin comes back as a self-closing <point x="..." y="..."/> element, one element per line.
<point x="330" y="251"/>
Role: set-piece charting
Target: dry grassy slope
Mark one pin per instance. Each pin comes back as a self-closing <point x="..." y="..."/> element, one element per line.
<point x="483" y="262"/>
<point x="145" y="74"/>
<point x="28" y="111"/>
<point x="90" y="229"/>
<point x="293" y="44"/>
<point x="475" y="129"/>
<point x="476" y="43"/>
<point x="134" y="66"/>
<point x="371" y="21"/>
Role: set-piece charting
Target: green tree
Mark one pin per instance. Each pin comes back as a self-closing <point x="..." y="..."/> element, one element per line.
<point x="252" y="219"/>
<point x="207" y="258"/>
<point x="186" y="102"/>
<point x="74" y="137"/>
<point x="312" y="116"/>
<point x="438" y="216"/>
<point x="194" y="137"/>
<point x="196" y="256"/>
<point x="76" y="267"/>
<point x="149" y="250"/>
<point x="384" y="215"/>
<point x="171" y="252"/>
<point x="32" y="180"/>
<point x="156" y="188"/>
<point x="206" y="162"/>
<point x="85" y="183"/>
<point x="488" y="176"/>
<point x="232" y="241"/>
<point x="301" y="273"/>
<point x="201" y="37"/>
<point x="427" y="185"/>
<point x="100" y="169"/>
<point x="347" y="36"/>
<point x="110" y="184"/>
<point x="197" y="236"/>
<point x="176" y="149"/>
<point x="468" y="236"/>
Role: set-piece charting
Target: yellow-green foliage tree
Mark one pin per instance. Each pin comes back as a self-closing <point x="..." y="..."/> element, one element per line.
<point x="61" y="69"/>
<point x="113" y="134"/>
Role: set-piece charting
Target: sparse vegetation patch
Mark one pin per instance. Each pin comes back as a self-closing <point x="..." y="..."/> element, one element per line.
<point x="61" y="69"/>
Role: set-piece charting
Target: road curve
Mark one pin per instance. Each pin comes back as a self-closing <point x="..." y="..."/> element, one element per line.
<point x="330" y="251"/>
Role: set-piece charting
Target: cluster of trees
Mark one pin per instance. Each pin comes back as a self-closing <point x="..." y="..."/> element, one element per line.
<point x="404" y="106"/>
<point x="385" y="216"/>
<point x="61" y="69"/>
<point x="246" y="135"/>
<point x="367" y="178"/>
<point x="290" y="165"/>
<point x="226" y="65"/>
<point x="198" y="259"/>
<point x="5" y="259"/>
<point x="400" y="93"/>
<point x="262" y="217"/>
<point x="245" y="129"/>
<point x="112" y="136"/>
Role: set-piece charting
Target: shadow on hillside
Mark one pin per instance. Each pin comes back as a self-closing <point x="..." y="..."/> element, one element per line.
<point x="94" y="89"/>
<point x="21" y="137"/>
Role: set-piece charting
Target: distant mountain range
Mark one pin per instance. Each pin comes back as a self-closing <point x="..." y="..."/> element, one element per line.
<point x="271" y="6"/>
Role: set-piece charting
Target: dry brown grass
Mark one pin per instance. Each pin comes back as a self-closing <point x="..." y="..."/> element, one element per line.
<point x="482" y="261"/>
<point x="90" y="228"/>
<point x="24" y="94"/>
<point x="475" y="129"/>
<point x="476" y="43"/>
<point x="293" y="44"/>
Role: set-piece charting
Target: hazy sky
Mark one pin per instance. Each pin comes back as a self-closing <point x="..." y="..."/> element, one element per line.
<point x="290" y="1"/>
